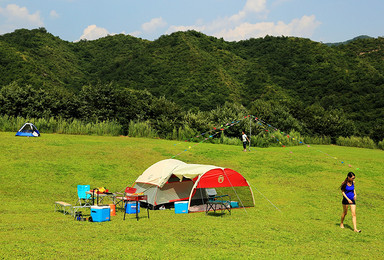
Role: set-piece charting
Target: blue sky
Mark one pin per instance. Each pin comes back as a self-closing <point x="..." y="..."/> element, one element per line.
<point x="233" y="20"/>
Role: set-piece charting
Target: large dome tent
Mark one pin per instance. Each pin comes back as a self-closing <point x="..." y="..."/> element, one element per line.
<point x="171" y="180"/>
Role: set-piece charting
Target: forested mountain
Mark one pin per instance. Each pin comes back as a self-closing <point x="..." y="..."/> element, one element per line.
<point x="346" y="42"/>
<point x="294" y="82"/>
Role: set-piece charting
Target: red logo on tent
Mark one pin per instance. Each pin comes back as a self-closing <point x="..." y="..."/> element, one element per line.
<point x="220" y="179"/>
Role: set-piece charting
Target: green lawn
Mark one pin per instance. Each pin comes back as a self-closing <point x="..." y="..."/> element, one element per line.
<point x="302" y="182"/>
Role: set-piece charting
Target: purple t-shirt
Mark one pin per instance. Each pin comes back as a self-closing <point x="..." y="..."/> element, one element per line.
<point x="349" y="191"/>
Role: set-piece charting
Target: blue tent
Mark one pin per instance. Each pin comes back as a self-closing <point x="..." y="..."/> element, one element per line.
<point x="29" y="130"/>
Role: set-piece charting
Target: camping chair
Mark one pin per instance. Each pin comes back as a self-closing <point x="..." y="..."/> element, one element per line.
<point x="214" y="200"/>
<point x="84" y="198"/>
<point x="122" y="198"/>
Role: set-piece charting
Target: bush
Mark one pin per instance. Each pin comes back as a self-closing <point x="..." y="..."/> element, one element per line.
<point x="185" y="133"/>
<point x="317" y="140"/>
<point x="276" y="138"/>
<point x="228" y="140"/>
<point x="141" y="129"/>
<point x="381" y="145"/>
<point x="356" y="141"/>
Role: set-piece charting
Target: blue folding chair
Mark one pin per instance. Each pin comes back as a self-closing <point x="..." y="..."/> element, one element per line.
<point x="215" y="202"/>
<point x="84" y="198"/>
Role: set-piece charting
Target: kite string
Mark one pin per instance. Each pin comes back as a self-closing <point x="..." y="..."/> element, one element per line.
<point x="265" y="125"/>
<point x="222" y="128"/>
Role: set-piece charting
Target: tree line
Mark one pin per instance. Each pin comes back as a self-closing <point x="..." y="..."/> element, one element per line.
<point x="100" y="102"/>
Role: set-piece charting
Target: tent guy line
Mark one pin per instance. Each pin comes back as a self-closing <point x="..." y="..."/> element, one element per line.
<point x="267" y="199"/>
<point x="235" y="191"/>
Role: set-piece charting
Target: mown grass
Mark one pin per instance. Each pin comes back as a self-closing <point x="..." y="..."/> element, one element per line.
<point x="302" y="182"/>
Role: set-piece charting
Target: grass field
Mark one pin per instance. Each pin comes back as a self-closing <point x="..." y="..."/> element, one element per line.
<point x="302" y="182"/>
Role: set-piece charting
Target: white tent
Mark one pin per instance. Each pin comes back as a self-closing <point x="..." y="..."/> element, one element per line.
<point x="172" y="180"/>
<point x="159" y="173"/>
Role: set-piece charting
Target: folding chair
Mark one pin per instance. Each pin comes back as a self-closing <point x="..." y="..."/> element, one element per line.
<point x="214" y="201"/>
<point x="84" y="198"/>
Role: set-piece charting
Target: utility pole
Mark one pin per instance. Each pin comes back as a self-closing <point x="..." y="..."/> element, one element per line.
<point x="250" y="132"/>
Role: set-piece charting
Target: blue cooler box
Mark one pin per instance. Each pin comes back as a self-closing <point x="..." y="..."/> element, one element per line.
<point x="131" y="207"/>
<point x="181" y="207"/>
<point x="234" y="204"/>
<point x="100" y="213"/>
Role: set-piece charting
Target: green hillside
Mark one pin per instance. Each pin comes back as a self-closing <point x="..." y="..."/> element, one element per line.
<point x="37" y="58"/>
<point x="282" y="79"/>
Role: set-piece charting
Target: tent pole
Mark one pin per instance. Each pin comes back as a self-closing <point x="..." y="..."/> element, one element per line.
<point x="250" y="133"/>
<point x="235" y="190"/>
<point x="253" y="197"/>
<point x="193" y="188"/>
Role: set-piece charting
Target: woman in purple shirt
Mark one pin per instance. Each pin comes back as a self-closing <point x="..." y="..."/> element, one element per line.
<point x="349" y="198"/>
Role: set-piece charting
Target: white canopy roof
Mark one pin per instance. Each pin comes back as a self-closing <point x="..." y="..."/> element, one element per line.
<point x="159" y="173"/>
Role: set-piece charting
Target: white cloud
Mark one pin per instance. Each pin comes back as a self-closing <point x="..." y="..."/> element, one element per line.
<point x="237" y="27"/>
<point x="255" y="6"/>
<point x="303" y="27"/>
<point x="92" y="32"/>
<point x="154" y="24"/>
<point x="251" y="7"/>
<point x="54" y="14"/>
<point x="150" y="27"/>
<point x="13" y="17"/>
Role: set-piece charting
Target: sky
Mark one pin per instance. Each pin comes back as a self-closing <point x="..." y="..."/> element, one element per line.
<point x="233" y="20"/>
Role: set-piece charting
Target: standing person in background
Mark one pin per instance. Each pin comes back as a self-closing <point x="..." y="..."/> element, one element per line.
<point x="244" y="138"/>
<point x="349" y="198"/>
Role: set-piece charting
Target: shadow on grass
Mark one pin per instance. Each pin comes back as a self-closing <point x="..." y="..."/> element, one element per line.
<point x="346" y="226"/>
<point x="217" y="214"/>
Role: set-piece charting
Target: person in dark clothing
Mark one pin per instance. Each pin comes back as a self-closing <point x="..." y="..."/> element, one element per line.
<point x="244" y="139"/>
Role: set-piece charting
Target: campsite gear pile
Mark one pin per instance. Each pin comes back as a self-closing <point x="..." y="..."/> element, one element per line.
<point x="89" y="199"/>
<point x="166" y="184"/>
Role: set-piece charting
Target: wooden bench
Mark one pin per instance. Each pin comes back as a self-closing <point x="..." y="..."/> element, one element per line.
<point x="65" y="207"/>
